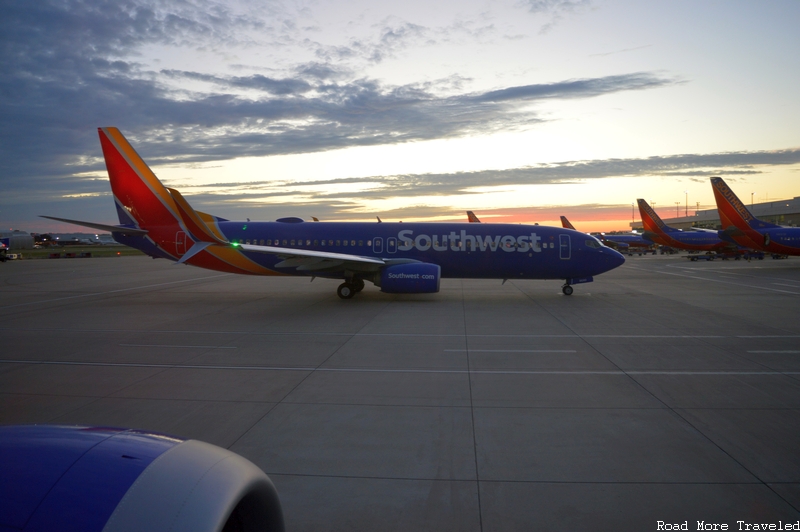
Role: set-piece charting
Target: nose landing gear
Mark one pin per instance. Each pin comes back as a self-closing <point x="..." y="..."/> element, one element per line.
<point x="567" y="289"/>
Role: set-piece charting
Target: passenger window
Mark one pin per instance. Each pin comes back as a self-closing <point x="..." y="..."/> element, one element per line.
<point x="316" y="242"/>
<point x="338" y="243"/>
<point x="285" y="243"/>
<point x="360" y="242"/>
<point x="345" y="242"/>
<point x="308" y="242"/>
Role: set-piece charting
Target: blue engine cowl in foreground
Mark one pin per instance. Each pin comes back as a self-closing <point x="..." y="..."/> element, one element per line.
<point x="413" y="278"/>
<point x="104" y="479"/>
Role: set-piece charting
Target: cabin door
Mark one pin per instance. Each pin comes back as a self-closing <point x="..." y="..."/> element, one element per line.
<point x="180" y="242"/>
<point x="564" y="247"/>
<point x="391" y="245"/>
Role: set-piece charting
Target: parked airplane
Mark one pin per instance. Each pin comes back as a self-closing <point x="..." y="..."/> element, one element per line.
<point x="696" y="240"/>
<point x="618" y="242"/>
<point x="397" y="257"/>
<point x="747" y="230"/>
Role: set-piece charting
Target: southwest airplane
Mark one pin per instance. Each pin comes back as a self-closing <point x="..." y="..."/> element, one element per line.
<point x="397" y="257"/>
<point x="619" y="242"/>
<point x="747" y="230"/>
<point x="660" y="233"/>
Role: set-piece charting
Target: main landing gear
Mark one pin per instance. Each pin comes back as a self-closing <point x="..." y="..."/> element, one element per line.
<point x="350" y="288"/>
<point x="567" y="289"/>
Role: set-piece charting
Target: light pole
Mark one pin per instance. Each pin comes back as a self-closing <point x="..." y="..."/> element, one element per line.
<point x="677" y="212"/>
<point x="631" y="212"/>
<point x="751" y="199"/>
<point x="697" y="209"/>
<point x="686" y="212"/>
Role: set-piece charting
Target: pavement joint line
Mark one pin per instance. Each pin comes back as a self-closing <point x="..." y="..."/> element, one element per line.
<point x="410" y="335"/>
<point x="112" y="291"/>
<point x="398" y="370"/>
<point x="511" y="350"/>
<point x="719" y="281"/>
<point x="180" y="346"/>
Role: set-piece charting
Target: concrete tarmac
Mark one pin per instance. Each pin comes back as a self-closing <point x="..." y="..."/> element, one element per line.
<point x="667" y="390"/>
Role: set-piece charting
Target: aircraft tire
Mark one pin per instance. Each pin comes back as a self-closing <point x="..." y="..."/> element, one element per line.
<point x="346" y="291"/>
<point x="567" y="289"/>
<point x="358" y="284"/>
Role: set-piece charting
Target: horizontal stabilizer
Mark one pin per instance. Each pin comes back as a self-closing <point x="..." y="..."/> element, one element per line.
<point x="102" y="227"/>
<point x="194" y="250"/>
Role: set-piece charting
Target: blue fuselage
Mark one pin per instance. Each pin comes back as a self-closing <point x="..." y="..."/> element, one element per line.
<point x="493" y="251"/>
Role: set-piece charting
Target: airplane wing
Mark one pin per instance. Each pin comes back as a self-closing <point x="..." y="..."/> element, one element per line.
<point x="102" y="227"/>
<point x="306" y="260"/>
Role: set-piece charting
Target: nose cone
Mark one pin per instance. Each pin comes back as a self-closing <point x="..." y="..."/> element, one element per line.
<point x="607" y="259"/>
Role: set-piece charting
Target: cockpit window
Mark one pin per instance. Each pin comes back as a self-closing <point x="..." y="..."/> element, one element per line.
<point x="593" y="244"/>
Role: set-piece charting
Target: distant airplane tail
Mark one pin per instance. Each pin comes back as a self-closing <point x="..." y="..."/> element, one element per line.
<point x="651" y="222"/>
<point x="732" y="212"/>
<point x="566" y="224"/>
<point x="472" y="218"/>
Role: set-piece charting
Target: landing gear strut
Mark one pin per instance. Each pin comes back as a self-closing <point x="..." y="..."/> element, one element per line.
<point x="358" y="284"/>
<point x="567" y="289"/>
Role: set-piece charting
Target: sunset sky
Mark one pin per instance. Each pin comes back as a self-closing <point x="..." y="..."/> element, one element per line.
<point x="520" y="110"/>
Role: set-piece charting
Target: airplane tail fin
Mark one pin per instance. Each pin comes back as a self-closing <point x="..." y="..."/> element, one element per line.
<point x="140" y="197"/>
<point x="651" y="222"/>
<point x="472" y="218"/>
<point x="566" y="224"/>
<point x="732" y="212"/>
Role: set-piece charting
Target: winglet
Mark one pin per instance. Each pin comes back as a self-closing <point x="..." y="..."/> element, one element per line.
<point x="566" y="224"/>
<point x="198" y="229"/>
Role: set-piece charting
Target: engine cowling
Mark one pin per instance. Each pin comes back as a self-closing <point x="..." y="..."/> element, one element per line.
<point x="102" y="479"/>
<point x="413" y="278"/>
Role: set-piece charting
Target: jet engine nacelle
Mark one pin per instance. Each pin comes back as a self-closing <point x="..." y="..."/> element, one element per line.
<point x="102" y="479"/>
<point x="412" y="278"/>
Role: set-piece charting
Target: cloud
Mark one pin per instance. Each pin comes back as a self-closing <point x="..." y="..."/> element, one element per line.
<point x="70" y="66"/>
<point x="555" y="10"/>
<point x="698" y="166"/>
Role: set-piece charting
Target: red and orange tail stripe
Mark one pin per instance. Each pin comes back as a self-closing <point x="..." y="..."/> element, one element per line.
<point x="197" y="227"/>
<point x="133" y="183"/>
<point x="732" y="211"/>
<point x="650" y="219"/>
